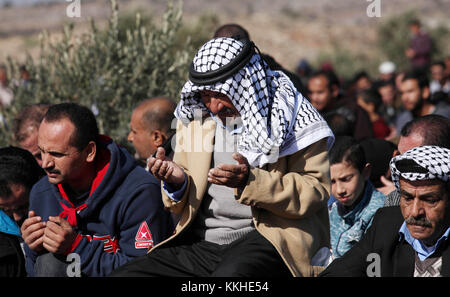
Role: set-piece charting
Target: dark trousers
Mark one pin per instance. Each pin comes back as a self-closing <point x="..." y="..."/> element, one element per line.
<point x="50" y="265"/>
<point x="250" y="256"/>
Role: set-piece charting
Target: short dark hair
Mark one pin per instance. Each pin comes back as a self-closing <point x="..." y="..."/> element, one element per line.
<point x="435" y="130"/>
<point x="82" y="118"/>
<point x="439" y="96"/>
<point x="234" y="31"/>
<point x="371" y="96"/>
<point x="339" y="124"/>
<point x="439" y="63"/>
<point x="347" y="149"/>
<point x="360" y="75"/>
<point x="384" y="83"/>
<point x="421" y="79"/>
<point x="378" y="153"/>
<point x="17" y="166"/>
<point x="331" y="77"/>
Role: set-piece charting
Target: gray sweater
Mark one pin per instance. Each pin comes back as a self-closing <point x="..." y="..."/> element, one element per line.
<point x="221" y="219"/>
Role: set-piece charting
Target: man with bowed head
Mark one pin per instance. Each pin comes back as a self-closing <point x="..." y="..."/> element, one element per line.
<point x="19" y="171"/>
<point x="250" y="174"/>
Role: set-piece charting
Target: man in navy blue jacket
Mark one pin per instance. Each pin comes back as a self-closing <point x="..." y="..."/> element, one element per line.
<point x="96" y="209"/>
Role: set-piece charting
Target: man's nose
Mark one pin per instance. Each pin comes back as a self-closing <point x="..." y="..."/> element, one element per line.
<point x="215" y="105"/>
<point x="18" y="216"/>
<point x="341" y="191"/>
<point x="47" y="161"/>
<point x="417" y="208"/>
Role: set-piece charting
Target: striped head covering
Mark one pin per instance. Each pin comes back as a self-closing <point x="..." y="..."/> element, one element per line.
<point x="277" y="120"/>
<point x="421" y="163"/>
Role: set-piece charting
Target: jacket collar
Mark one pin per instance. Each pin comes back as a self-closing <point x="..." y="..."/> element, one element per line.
<point x="404" y="259"/>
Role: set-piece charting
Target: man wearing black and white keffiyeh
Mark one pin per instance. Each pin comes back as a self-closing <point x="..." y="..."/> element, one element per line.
<point x="277" y="119"/>
<point x="410" y="239"/>
<point x="250" y="174"/>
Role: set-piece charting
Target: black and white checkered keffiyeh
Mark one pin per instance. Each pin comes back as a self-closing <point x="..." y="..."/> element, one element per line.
<point x="255" y="90"/>
<point x="429" y="162"/>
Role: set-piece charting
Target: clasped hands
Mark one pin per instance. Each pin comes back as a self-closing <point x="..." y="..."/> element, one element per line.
<point x="230" y="175"/>
<point x="56" y="235"/>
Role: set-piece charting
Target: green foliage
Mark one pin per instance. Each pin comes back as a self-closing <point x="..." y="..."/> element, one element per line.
<point x="394" y="34"/>
<point x="108" y="70"/>
<point x="441" y="42"/>
<point x="199" y="32"/>
<point x="347" y="63"/>
<point x="393" y="38"/>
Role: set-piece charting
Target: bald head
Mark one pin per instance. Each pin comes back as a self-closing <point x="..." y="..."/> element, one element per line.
<point x="150" y="125"/>
<point x="426" y="130"/>
<point x="157" y="113"/>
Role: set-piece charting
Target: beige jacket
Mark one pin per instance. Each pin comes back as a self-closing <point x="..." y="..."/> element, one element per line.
<point x="288" y="198"/>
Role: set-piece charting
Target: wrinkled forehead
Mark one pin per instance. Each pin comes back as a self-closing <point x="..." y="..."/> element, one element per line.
<point x="426" y="188"/>
<point x="60" y="133"/>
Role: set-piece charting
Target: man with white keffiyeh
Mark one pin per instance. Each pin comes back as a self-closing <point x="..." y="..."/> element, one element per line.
<point x="250" y="174"/>
<point x="410" y="239"/>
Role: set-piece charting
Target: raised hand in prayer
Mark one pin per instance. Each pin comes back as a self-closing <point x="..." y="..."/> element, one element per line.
<point x="230" y="175"/>
<point x="166" y="170"/>
<point x="58" y="235"/>
<point x="33" y="232"/>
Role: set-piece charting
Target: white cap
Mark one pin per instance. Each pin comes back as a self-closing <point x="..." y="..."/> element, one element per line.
<point x="386" y="67"/>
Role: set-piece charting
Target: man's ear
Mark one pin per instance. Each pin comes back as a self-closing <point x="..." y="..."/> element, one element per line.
<point x="334" y="91"/>
<point x="372" y="107"/>
<point x="158" y="137"/>
<point x="395" y="153"/>
<point x="367" y="171"/>
<point x="426" y="93"/>
<point x="91" y="151"/>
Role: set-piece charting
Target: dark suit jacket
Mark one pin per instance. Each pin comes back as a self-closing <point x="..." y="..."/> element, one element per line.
<point x="396" y="255"/>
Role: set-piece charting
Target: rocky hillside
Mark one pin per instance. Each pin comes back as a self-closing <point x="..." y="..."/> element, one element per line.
<point x="287" y="29"/>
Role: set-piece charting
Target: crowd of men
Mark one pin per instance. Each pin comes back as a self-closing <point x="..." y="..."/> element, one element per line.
<point x="256" y="172"/>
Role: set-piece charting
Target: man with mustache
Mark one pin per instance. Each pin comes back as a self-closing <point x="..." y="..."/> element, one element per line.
<point x="410" y="239"/>
<point x="431" y="129"/>
<point x="95" y="204"/>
